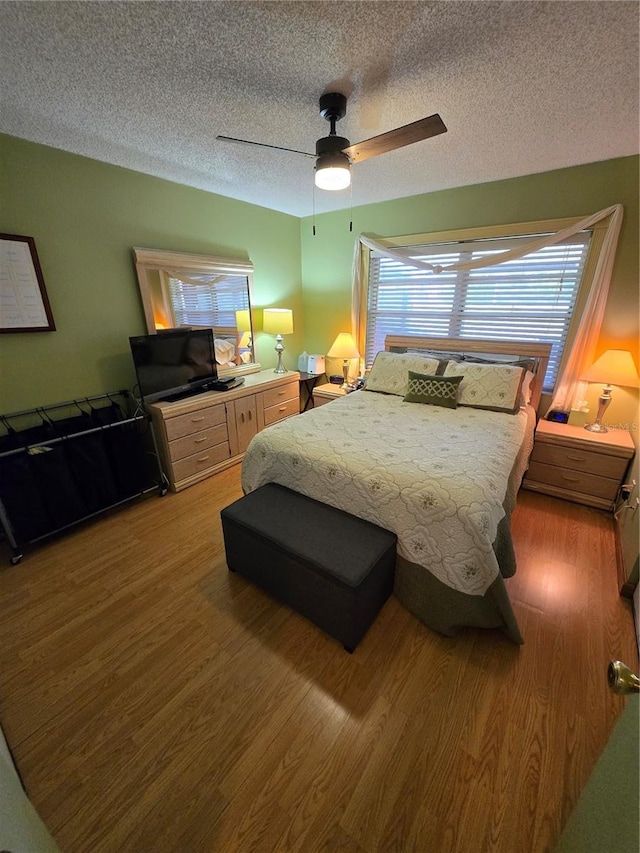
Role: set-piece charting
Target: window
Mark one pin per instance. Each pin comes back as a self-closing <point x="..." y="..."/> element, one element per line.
<point x="531" y="298"/>
<point x="207" y="300"/>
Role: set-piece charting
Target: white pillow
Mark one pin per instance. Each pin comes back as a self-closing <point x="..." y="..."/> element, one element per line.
<point x="494" y="387"/>
<point x="225" y="351"/>
<point x="390" y="371"/>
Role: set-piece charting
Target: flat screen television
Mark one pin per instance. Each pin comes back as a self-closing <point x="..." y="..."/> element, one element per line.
<point x="175" y="363"/>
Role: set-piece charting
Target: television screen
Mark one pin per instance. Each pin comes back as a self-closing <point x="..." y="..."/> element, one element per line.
<point x="175" y="363"/>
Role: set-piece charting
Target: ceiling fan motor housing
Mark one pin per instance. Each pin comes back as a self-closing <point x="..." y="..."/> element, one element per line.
<point x="331" y="145"/>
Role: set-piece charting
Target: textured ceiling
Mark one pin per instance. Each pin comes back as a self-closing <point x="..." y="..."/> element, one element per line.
<point x="523" y="87"/>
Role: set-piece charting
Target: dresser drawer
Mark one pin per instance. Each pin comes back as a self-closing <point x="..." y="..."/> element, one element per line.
<point x="275" y="396"/>
<point x="197" y="442"/>
<point x="580" y="460"/>
<point x="195" y="421"/>
<point x="191" y="465"/>
<point x="573" y="481"/>
<point x="280" y="411"/>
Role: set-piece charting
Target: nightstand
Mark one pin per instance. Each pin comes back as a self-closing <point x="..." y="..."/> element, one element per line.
<point x="326" y="393"/>
<point x="584" y="467"/>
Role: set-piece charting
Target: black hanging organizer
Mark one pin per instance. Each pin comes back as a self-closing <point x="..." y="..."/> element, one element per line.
<point x="68" y="462"/>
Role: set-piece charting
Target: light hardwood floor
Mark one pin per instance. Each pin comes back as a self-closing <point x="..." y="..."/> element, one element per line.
<point x="155" y="702"/>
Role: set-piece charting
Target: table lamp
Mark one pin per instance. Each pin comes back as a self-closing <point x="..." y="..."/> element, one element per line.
<point x="278" y="322"/>
<point x="614" y="367"/>
<point x="344" y="347"/>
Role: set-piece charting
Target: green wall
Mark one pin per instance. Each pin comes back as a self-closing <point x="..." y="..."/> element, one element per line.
<point x="576" y="191"/>
<point x="85" y="217"/>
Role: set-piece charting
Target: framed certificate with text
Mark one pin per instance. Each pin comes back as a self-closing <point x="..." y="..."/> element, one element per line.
<point x="24" y="305"/>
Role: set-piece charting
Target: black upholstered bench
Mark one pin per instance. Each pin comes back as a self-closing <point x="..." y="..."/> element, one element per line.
<point x="332" y="567"/>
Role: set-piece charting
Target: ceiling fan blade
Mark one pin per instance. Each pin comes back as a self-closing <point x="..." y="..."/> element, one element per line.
<point x="263" y="145"/>
<point x="401" y="136"/>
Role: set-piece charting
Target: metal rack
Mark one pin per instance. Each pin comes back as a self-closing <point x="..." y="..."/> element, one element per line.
<point x="65" y="463"/>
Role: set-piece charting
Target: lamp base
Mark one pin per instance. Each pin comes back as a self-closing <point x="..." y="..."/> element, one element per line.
<point x="280" y="368"/>
<point x="603" y="403"/>
<point x="346" y="385"/>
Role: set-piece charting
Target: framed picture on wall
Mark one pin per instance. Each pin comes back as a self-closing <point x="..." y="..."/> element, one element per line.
<point x="24" y="304"/>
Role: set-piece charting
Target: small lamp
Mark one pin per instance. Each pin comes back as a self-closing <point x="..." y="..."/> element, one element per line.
<point x="243" y="324"/>
<point x="344" y="347"/>
<point x="278" y="322"/>
<point x="614" y="367"/>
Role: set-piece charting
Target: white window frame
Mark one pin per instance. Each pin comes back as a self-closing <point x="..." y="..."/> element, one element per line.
<point x="457" y="240"/>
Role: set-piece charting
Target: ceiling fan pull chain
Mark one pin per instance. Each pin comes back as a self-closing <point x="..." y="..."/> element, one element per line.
<point x="314" y="209"/>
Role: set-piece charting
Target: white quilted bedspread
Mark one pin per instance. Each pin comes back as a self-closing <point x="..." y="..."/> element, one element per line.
<point x="436" y="477"/>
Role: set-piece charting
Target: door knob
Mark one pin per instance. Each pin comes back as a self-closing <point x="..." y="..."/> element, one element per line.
<point x="621" y="679"/>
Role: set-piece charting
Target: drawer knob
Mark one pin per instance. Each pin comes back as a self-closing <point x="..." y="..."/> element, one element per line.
<point x="199" y="440"/>
<point x="203" y="458"/>
<point x="282" y="409"/>
<point x="576" y="457"/>
<point x="197" y="420"/>
<point x="570" y="479"/>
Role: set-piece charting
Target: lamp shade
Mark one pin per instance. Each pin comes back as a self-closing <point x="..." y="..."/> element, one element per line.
<point x="278" y="321"/>
<point x="614" y="367"/>
<point x="243" y="320"/>
<point x="344" y="347"/>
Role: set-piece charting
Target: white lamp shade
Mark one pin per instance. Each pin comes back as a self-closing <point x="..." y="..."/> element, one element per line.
<point x="278" y="321"/>
<point x="243" y="320"/>
<point x="614" y="367"/>
<point x="344" y="347"/>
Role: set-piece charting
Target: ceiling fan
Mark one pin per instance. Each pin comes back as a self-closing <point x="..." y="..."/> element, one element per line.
<point x="335" y="154"/>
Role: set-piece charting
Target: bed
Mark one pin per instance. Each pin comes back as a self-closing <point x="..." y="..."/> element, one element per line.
<point x="441" y="475"/>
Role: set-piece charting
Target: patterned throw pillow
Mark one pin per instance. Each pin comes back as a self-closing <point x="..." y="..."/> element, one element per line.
<point x="433" y="390"/>
<point x="388" y="373"/>
<point x="494" y="387"/>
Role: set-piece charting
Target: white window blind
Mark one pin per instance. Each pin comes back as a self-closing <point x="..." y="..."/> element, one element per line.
<point x="531" y="298"/>
<point x="211" y="303"/>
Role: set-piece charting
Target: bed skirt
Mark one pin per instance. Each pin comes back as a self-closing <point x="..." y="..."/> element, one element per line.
<point x="446" y="610"/>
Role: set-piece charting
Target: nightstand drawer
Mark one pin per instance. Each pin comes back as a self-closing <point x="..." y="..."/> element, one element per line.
<point x="191" y="465"/>
<point x="580" y="460"/>
<point x="573" y="481"/>
<point x="197" y="442"/>
<point x="276" y="396"/>
<point x="195" y="421"/>
<point x="280" y="411"/>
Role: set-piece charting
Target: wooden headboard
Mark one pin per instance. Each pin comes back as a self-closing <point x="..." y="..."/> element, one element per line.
<point x="538" y="352"/>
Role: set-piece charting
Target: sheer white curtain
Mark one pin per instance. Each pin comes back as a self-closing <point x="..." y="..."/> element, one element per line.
<point x="568" y="388"/>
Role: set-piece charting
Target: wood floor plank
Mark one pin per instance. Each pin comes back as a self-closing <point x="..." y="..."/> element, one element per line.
<point x="156" y="702"/>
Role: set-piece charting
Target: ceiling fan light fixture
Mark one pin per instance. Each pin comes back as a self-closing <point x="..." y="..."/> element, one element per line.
<point x="333" y="172"/>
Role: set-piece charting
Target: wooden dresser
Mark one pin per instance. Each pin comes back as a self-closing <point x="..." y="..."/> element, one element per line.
<point x="201" y="435"/>
<point x="584" y="467"/>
